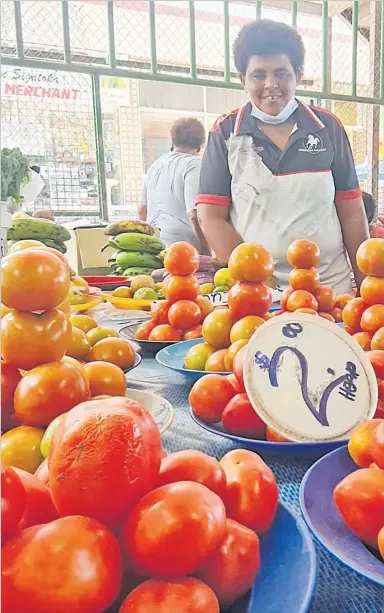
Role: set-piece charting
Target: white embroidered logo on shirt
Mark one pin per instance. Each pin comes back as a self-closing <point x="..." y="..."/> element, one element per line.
<point x="312" y="144"/>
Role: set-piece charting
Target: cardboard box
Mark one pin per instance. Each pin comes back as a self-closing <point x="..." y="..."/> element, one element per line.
<point x="84" y="253"/>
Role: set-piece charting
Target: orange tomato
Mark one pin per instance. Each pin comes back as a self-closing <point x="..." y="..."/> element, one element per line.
<point x="351" y="331"/>
<point x="165" y="332"/>
<point x="245" y="327"/>
<point x="159" y="312"/>
<point x="284" y="298"/>
<point x="205" y="306"/>
<point x="209" y="396"/>
<point x="373" y="318"/>
<point x="217" y="328"/>
<point x="184" y="314"/>
<point x="194" y="332"/>
<point x="114" y="350"/>
<point x="177" y="287"/>
<point x="181" y="258"/>
<point x="304" y="278"/>
<point x="250" y="262"/>
<point x="301" y="299"/>
<point x="380" y="542"/>
<point x="370" y="257"/>
<point x="342" y="300"/>
<point x="377" y="341"/>
<point x="144" y="330"/>
<point x="231" y="352"/>
<point x="33" y="280"/>
<point x="191" y="465"/>
<point x="65" y="307"/>
<point x="372" y="290"/>
<point x="377" y="445"/>
<point x="364" y="340"/>
<point x="275" y="437"/>
<point x="337" y="314"/>
<point x="326" y="298"/>
<point x="327" y="316"/>
<point x="68" y="360"/>
<point x="79" y="346"/>
<point x="353" y="311"/>
<point x="20" y="448"/>
<point x="10" y="378"/>
<point x="216" y="361"/>
<point x="303" y="253"/>
<point x="308" y="311"/>
<point x="105" y="378"/>
<point x="249" y="299"/>
<point x="359" y="445"/>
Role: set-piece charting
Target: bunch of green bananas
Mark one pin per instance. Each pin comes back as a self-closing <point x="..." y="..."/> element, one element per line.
<point x="48" y="232"/>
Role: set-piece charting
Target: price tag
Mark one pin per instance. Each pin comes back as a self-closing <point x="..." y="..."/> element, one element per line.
<point x="308" y="379"/>
<point x="218" y="298"/>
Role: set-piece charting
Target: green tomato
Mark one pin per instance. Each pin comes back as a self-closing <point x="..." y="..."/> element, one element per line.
<point x="145" y="293"/>
<point x="223" y="277"/>
<point x="197" y="356"/>
<point x="206" y="288"/>
<point x="49" y="433"/>
<point x="222" y="288"/>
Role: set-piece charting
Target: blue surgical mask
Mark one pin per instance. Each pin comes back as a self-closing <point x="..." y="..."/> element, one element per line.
<point x="275" y="120"/>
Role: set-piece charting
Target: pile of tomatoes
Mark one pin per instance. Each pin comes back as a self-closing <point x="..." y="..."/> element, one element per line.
<point x="126" y="526"/>
<point x="360" y="496"/>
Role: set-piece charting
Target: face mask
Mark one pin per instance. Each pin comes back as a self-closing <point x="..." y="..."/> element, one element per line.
<point x="275" y="120"/>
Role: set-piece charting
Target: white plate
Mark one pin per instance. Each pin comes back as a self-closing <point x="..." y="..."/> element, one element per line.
<point x="161" y="410"/>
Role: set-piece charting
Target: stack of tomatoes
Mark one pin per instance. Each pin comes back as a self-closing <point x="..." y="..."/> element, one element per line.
<point x="360" y="496"/>
<point x="132" y="528"/>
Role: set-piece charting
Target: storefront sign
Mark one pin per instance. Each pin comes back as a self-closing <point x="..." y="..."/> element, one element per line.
<point x="40" y="92"/>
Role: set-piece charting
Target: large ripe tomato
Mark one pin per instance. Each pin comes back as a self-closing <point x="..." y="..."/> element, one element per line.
<point x="205" y="306"/>
<point x="29" y="339"/>
<point x="377" y="360"/>
<point x="360" y="500"/>
<point x="176" y="287"/>
<point x="209" y="396"/>
<point x="184" y="314"/>
<point x="245" y="327"/>
<point x="186" y="595"/>
<point x="377" y="445"/>
<point x="380" y="542"/>
<point x="72" y="564"/>
<point x="232" y="351"/>
<point x="13" y="501"/>
<point x="238" y="366"/>
<point x="372" y="290"/>
<point x="303" y="253"/>
<point x="79" y="346"/>
<point x="144" y="330"/>
<point x="252" y="494"/>
<point x="370" y="257"/>
<point x="326" y="298"/>
<point x="251" y="262"/>
<point x="240" y="418"/>
<point x="20" y="447"/>
<point x="181" y="258"/>
<point x="359" y="445"/>
<point x="159" y="312"/>
<point x="165" y="332"/>
<point x="39" y="506"/>
<point x="114" y="350"/>
<point x="304" y="278"/>
<point x="373" y="318"/>
<point x="190" y="525"/>
<point x="33" y="280"/>
<point x="115" y="440"/>
<point x="301" y="299"/>
<point x="249" y="299"/>
<point x="217" y="328"/>
<point x="353" y="311"/>
<point x="105" y="379"/>
<point x="231" y="570"/>
<point x="47" y="391"/>
<point x="194" y="466"/>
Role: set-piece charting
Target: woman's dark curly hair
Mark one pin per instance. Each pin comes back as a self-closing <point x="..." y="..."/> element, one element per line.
<point x="266" y="38"/>
<point x="188" y="132"/>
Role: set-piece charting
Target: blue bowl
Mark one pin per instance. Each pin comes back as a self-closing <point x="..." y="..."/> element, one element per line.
<point x="173" y="357"/>
<point x="326" y="523"/>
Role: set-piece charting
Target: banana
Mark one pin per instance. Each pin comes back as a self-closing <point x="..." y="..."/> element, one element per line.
<point x="37" y="228"/>
<point x="134" y="271"/>
<point x="133" y="241"/>
<point x="126" y="259"/>
<point x="127" y="225"/>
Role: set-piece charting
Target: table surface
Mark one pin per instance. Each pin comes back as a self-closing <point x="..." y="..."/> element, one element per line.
<point x="339" y="590"/>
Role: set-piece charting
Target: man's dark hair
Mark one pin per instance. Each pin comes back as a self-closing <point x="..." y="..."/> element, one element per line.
<point x="370" y="207"/>
<point x="188" y="132"/>
<point x="266" y="38"/>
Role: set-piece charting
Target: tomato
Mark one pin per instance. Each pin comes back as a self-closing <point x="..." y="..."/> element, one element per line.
<point x="190" y="525"/>
<point x="217" y="328"/>
<point x="65" y="307"/>
<point x="205" y="306"/>
<point x="251" y="262"/>
<point x="144" y="330"/>
<point x="372" y="290"/>
<point x="97" y="334"/>
<point x="84" y="578"/>
<point x="194" y="466"/>
<point x="159" y="312"/>
<point x="231" y="570"/>
<point x="10" y="377"/>
<point x="238" y="363"/>
<point x="42" y="472"/>
<point x="49" y="434"/>
<point x="359" y="445"/>
<point x="68" y="360"/>
<point x="181" y="258"/>
<point x="194" y="332"/>
<point x="209" y="396"/>
<point x="379" y="413"/>
<point x="360" y="501"/>
<point x="373" y="318"/>
<point x="326" y="298"/>
<point x="342" y="300"/>
<point x="377" y="341"/>
<point x="245" y="327"/>
<point x="234" y="382"/>
<point x="176" y="287"/>
<point x="377" y="445"/>
<point x="165" y="332"/>
<point x="240" y="418"/>
<point x="327" y="316"/>
<point x="184" y="314"/>
<point x="381" y="390"/>
<point x="114" y="350"/>
<point x="249" y="299"/>
<point x="79" y="346"/>
<point x="20" y="448"/>
<point x="380" y="542"/>
<point x="303" y="253"/>
<point x="304" y="278"/>
<point x="216" y="361"/>
<point x="186" y="595"/>
<point x="308" y="311"/>
<point x="39" y="506"/>
<point x="284" y="298"/>
<point x="252" y="494"/>
<point x="55" y="252"/>
<point x="120" y="443"/>
<point x="301" y="299"/>
<point x="377" y="360"/>
<point x="29" y="339"/>
<point x="105" y="378"/>
<point x="83" y="322"/>
<point x="197" y="356"/>
<point x="337" y="314"/>
<point x="275" y="437"/>
<point x="33" y="280"/>
<point x="13" y="501"/>
<point x="353" y="311"/>
<point x="232" y="351"/>
<point x="47" y="391"/>
<point x="272" y="314"/>
<point x="364" y="340"/>
<point x="351" y="331"/>
<point x="370" y="257"/>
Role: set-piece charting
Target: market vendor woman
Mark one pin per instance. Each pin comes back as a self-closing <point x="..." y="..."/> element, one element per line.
<point x="278" y="170"/>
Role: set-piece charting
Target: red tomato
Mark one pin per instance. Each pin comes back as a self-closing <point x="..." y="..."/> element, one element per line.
<point x="181" y="258"/>
<point x="301" y="299"/>
<point x="176" y="287"/>
<point x="370" y="257"/>
<point x="377" y="360"/>
<point x="372" y="290"/>
<point x="184" y="314"/>
<point x="303" y="253"/>
<point x="10" y="377"/>
<point x="252" y="494"/>
<point x="47" y="391"/>
<point x="381" y="391"/>
<point x="231" y="570"/>
<point x="120" y="443"/>
<point x="326" y="298"/>
<point x="304" y="278"/>
<point x="373" y="318"/>
<point x="209" y="397"/>
<point x="190" y="524"/>
<point x="360" y="501"/>
<point x="177" y="595"/>
<point x="379" y="413"/>
<point x="13" y="501"/>
<point x="364" y="340"/>
<point x="251" y="262"/>
<point x="238" y="364"/>
<point x="249" y="299"/>
<point x="164" y="333"/>
<point x="195" y="466"/>
<point x="194" y="332"/>
<point x="42" y="472"/>
<point x="71" y="564"/>
<point x="240" y="418"/>
<point x="380" y="542"/>
<point x="284" y="298"/>
<point x="275" y="437"/>
<point x="159" y="312"/>
<point x="39" y="506"/>
<point x="144" y="330"/>
<point x="377" y="445"/>
<point x="234" y="382"/>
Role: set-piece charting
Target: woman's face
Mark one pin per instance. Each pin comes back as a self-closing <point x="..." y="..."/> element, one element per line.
<point x="270" y="82"/>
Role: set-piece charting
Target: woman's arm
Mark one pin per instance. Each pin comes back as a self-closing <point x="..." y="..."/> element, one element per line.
<point x="218" y="230"/>
<point x="354" y="227"/>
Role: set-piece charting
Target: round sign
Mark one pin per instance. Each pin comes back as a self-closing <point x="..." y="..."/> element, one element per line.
<point x="308" y="379"/>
